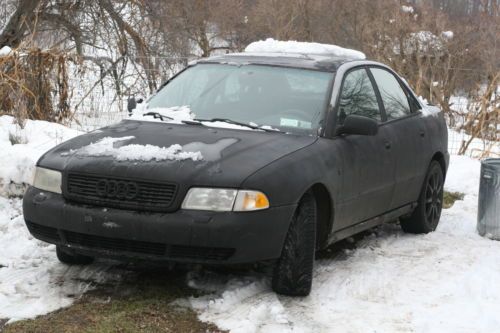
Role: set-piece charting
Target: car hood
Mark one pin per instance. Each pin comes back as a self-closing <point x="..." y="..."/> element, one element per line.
<point x="228" y="156"/>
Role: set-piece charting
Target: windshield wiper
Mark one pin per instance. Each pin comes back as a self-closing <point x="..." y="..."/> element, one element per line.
<point x="234" y="122"/>
<point x="192" y="122"/>
<point x="157" y="115"/>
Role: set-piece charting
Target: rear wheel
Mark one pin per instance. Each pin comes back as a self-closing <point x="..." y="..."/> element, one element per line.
<point x="293" y="272"/>
<point x="425" y="217"/>
<point x="67" y="257"/>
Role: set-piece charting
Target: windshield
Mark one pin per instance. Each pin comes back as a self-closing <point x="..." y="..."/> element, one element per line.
<point x="287" y="99"/>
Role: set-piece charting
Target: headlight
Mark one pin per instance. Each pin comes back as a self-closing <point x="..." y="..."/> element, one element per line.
<point x="47" y="180"/>
<point x="224" y="200"/>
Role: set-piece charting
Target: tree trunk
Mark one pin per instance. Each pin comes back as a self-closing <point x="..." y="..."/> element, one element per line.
<point x="20" y="21"/>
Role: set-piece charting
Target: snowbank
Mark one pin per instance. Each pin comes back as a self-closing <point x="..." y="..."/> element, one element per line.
<point x="20" y="148"/>
<point x="275" y="46"/>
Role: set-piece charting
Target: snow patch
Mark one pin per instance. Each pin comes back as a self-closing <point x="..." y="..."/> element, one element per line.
<point x="407" y="9"/>
<point x="463" y="175"/>
<point x="22" y="146"/>
<point x="115" y="148"/>
<point x="210" y="151"/>
<point x="275" y="46"/>
<point x="447" y="34"/>
<point x="428" y="110"/>
<point x="32" y="281"/>
<point x="5" y="51"/>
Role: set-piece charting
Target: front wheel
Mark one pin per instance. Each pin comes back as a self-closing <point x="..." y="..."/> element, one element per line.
<point x="293" y="272"/>
<point x="425" y="217"/>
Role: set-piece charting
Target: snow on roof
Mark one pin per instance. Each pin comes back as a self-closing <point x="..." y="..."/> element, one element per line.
<point x="275" y="46"/>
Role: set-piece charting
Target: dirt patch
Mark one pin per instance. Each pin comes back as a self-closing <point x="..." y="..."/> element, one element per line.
<point x="2" y="324"/>
<point x="141" y="302"/>
<point x="449" y="198"/>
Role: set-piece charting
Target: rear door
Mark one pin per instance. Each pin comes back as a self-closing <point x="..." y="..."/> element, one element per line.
<point x="368" y="161"/>
<point x="406" y="126"/>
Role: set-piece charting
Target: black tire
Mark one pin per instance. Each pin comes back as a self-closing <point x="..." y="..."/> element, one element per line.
<point x="425" y="217"/>
<point x="292" y="274"/>
<point x="69" y="258"/>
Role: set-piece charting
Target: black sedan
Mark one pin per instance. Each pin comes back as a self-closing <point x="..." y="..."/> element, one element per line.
<point x="279" y="156"/>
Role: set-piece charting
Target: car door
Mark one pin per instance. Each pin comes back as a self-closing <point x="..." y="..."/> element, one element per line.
<point x="368" y="164"/>
<point x="405" y="125"/>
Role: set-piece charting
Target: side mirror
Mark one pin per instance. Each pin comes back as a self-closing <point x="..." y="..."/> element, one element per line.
<point x="359" y="125"/>
<point x="132" y="104"/>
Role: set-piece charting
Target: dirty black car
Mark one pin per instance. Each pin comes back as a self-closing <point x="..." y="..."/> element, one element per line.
<point x="284" y="155"/>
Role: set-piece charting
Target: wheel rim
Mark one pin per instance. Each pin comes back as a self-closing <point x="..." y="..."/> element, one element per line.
<point x="434" y="198"/>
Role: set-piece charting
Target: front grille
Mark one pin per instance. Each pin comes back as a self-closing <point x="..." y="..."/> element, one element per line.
<point x="166" y="251"/>
<point x="203" y="253"/>
<point x="114" y="244"/>
<point x="42" y="232"/>
<point x="119" y="192"/>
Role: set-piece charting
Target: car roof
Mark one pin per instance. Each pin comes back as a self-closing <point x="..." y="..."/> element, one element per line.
<point x="296" y="60"/>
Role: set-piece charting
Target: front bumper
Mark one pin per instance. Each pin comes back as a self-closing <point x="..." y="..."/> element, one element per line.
<point x="186" y="236"/>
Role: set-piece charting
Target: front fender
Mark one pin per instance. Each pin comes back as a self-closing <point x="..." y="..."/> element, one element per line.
<point x="285" y="180"/>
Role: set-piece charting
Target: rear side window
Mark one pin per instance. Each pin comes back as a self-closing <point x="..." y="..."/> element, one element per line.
<point x="358" y="97"/>
<point x="393" y="96"/>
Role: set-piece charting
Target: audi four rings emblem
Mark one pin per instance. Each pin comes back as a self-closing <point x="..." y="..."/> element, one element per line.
<point x="117" y="189"/>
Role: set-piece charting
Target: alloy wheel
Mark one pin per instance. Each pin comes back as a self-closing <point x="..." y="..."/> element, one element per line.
<point x="434" y="198"/>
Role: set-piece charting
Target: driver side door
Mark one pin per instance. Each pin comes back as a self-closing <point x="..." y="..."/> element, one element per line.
<point x="368" y="162"/>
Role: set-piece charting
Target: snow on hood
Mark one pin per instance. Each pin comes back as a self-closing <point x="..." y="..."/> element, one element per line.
<point x="275" y="46"/>
<point x="116" y="148"/>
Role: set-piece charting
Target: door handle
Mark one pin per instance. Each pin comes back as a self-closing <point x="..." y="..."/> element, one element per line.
<point x="422" y="134"/>
<point x="387" y="145"/>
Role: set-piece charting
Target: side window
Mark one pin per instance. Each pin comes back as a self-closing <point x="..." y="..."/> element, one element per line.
<point x="358" y="97"/>
<point x="393" y="96"/>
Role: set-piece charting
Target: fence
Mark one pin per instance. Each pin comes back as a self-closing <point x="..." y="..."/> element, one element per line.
<point x="100" y="105"/>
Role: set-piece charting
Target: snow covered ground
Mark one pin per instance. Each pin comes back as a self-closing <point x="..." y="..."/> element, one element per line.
<point x="32" y="281"/>
<point x="446" y="281"/>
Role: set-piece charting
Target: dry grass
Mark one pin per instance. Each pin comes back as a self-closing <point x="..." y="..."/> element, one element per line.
<point x="449" y="198"/>
<point x="34" y="85"/>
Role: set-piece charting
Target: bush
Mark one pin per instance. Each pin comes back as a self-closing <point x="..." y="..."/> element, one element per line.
<point x="34" y="85"/>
